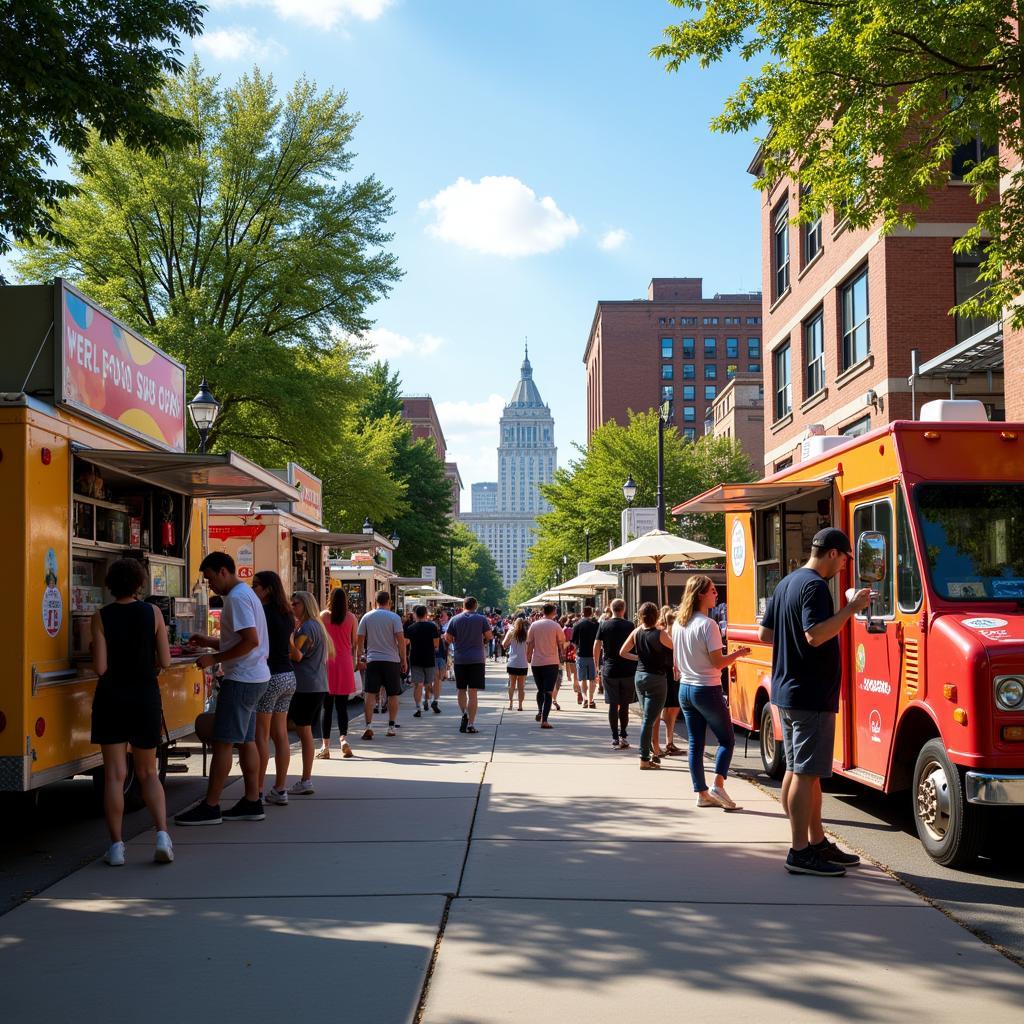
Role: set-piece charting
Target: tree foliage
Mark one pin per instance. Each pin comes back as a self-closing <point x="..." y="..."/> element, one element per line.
<point x="68" y="67"/>
<point x="865" y="102"/>
<point x="250" y="258"/>
<point x="475" y="570"/>
<point x="588" y="493"/>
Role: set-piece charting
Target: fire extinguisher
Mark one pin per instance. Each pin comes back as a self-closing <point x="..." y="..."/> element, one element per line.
<point x="167" y="536"/>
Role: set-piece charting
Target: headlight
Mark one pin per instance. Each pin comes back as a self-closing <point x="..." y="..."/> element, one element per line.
<point x="1009" y="693"/>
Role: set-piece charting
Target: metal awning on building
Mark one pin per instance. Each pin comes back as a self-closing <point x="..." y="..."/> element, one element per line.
<point x="199" y="476"/>
<point x="345" y="541"/>
<point x="750" y="497"/>
<point x="980" y="353"/>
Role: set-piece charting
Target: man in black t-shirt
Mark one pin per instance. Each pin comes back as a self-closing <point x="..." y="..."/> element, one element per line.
<point x="617" y="671"/>
<point x="423" y="638"/>
<point x="584" y="633"/>
<point x="803" y="628"/>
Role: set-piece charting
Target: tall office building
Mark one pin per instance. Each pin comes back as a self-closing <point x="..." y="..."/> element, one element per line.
<point x="526" y="459"/>
<point x="485" y="497"/>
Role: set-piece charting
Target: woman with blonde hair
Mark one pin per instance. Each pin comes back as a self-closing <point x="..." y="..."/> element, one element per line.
<point x="698" y="657"/>
<point x="514" y="642"/>
<point x="654" y="665"/>
<point x="670" y="712"/>
<point x="312" y="647"/>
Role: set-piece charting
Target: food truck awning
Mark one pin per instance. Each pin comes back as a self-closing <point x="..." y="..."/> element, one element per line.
<point x="345" y="541"/>
<point x="199" y="476"/>
<point x="750" y="497"/>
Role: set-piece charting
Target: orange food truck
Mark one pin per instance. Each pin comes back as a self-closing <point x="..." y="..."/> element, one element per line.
<point x="932" y="698"/>
<point x="93" y="467"/>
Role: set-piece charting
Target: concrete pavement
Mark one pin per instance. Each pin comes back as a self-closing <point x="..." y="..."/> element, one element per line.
<point x="556" y="882"/>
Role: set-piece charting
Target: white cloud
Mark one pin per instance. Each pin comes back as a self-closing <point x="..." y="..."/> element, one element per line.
<point x="323" y="14"/>
<point x="237" y="44"/>
<point x="613" y="239"/>
<point x="499" y="216"/>
<point x="471" y="433"/>
<point x="391" y="345"/>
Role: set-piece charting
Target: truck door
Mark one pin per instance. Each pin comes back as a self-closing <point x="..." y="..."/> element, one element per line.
<point x="874" y="674"/>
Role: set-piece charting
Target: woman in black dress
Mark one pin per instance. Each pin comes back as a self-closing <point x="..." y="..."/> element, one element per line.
<point x="129" y="647"/>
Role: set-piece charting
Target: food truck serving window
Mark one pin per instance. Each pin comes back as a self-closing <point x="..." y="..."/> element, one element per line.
<point x="973" y="538"/>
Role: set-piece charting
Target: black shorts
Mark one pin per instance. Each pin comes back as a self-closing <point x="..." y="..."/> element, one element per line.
<point x="469" y="677"/>
<point x="383" y="674"/>
<point x="517" y="673"/>
<point x="127" y="715"/>
<point x="305" y="708"/>
<point x="672" y="700"/>
<point x="545" y="676"/>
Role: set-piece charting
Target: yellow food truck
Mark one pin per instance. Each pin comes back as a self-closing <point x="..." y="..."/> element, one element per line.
<point x="93" y="467"/>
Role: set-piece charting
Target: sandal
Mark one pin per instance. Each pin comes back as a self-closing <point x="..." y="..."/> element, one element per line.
<point x="556" y="705"/>
<point x="323" y="754"/>
<point x="471" y="728"/>
<point x="673" y="749"/>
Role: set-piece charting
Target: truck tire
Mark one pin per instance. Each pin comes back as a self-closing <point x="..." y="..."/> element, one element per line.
<point x="773" y="757"/>
<point x="132" y="790"/>
<point x="951" y="830"/>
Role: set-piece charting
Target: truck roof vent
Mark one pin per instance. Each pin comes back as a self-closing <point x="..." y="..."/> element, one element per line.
<point x="817" y="444"/>
<point x="953" y="410"/>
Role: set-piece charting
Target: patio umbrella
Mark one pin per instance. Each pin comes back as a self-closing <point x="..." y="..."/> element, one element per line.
<point x="653" y="548"/>
<point x="588" y="583"/>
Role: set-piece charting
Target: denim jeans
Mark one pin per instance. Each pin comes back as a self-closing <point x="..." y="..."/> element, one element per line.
<point x="651" y="689"/>
<point x="704" y="706"/>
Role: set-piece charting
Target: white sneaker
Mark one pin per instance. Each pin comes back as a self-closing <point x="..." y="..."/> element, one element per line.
<point x="276" y="796"/>
<point x="115" y="855"/>
<point x="304" y="787"/>
<point x="346" y="750"/>
<point x="164" y="851"/>
<point x="719" y="793"/>
<point x="391" y="731"/>
<point x="708" y="799"/>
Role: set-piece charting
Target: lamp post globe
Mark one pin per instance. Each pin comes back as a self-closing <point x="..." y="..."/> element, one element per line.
<point x="394" y="538"/>
<point x="629" y="490"/>
<point x="203" y="411"/>
<point x="367" y="526"/>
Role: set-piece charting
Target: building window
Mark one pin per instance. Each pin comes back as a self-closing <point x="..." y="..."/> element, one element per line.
<point x="690" y="433"/>
<point x="666" y="348"/>
<point x="783" y="387"/>
<point x="730" y="371"/>
<point x="811" y="232"/>
<point x="780" y="248"/>
<point x="661" y="321"/>
<point x="732" y="321"/>
<point x="783" y="464"/>
<point x="710" y="348"/>
<point x="814" y="354"/>
<point x="711" y="321"/>
<point x="753" y="348"/>
<point x="732" y="348"/>
<point x="856" y="339"/>
<point x="689" y="371"/>
<point x="857" y="427"/>
<point x="968" y="155"/>
<point x="689" y="348"/>
<point x="689" y="392"/>
<point x="667" y="393"/>
<point x="710" y="391"/>
<point x="687" y="321"/>
<point x="710" y="372"/>
<point x="965" y="269"/>
<point x="666" y="371"/>
<point x="753" y="367"/>
<point x="753" y="321"/>
<point x="689" y="414"/>
<point x="671" y="321"/>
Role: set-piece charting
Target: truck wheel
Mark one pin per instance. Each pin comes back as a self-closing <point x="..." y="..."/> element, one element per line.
<point x="773" y="757"/>
<point x="132" y="790"/>
<point x="950" y="829"/>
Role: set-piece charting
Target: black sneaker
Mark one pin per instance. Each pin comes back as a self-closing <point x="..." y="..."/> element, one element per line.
<point x="417" y="713"/>
<point x="435" y="707"/>
<point x="245" y="810"/>
<point x="827" y="850"/>
<point x="808" y="862"/>
<point x="201" y="814"/>
<point x="426" y="705"/>
<point x="465" y="723"/>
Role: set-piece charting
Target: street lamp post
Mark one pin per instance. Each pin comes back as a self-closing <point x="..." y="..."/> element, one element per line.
<point x="664" y="413"/>
<point x="204" y="410"/>
<point x="451" y="564"/>
<point x="586" y="534"/>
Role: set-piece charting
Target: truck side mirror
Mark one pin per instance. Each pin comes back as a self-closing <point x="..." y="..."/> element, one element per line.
<point x="871" y="557"/>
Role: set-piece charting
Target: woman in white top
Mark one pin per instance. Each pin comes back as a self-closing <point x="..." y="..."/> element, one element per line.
<point x="515" y="643"/>
<point x="698" y="657"/>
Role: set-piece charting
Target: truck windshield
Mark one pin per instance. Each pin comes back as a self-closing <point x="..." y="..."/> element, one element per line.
<point x="973" y="539"/>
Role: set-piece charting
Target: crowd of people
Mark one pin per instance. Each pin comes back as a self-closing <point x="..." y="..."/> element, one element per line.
<point x="285" y="661"/>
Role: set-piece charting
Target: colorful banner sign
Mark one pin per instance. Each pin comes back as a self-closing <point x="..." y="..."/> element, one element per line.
<point x="309" y="489"/>
<point x="109" y="372"/>
<point x="236" y="530"/>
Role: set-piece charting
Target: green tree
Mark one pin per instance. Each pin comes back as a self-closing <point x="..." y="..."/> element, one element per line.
<point x="248" y="257"/>
<point x="865" y="102"/>
<point x="475" y="570"/>
<point x="71" y="66"/>
<point x="588" y="493"/>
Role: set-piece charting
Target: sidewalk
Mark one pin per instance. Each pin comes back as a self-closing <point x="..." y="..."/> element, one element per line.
<point x="576" y="889"/>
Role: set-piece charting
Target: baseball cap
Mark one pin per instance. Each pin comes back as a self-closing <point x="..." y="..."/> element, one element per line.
<point x="830" y="538"/>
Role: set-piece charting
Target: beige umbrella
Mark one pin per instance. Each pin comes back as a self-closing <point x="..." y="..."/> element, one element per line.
<point x="588" y="583"/>
<point x="653" y="548"/>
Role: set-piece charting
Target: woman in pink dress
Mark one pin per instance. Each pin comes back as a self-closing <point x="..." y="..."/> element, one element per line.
<point x="341" y="670"/>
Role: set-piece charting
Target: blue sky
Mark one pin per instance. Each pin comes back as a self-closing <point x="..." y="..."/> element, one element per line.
<point x="540" y="160"/>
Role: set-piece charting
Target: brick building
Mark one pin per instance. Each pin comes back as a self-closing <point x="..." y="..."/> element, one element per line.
<point x="845" y="309"/>
<point x="674" y="344"/>
<point x="419" y="412"/>
<point x="738" y="413"/>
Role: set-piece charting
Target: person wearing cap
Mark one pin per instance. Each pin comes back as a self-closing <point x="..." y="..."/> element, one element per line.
<point x="803" y="628"/>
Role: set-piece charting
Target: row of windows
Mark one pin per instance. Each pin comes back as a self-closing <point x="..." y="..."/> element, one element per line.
<point x="709" y="321"/>
<point x="688" y="348"/>
<point x="710" y="371"/>
<point x="688" y="392"/>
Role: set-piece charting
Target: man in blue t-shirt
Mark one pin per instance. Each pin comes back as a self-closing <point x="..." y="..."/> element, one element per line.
<point x="469" y="632"/>
<point x="803" y="628"/>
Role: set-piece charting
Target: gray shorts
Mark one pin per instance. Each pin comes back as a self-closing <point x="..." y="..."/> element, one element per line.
<point x="278" y="694"/>
<point x="808" y="738"/>
<point x="422" y="674"/>
<point x="235" y="716"/>
<point x="585" y="669"/>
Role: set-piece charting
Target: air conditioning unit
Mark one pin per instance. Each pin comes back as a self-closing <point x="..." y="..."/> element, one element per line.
<point x="953" y="410"/>
<point x="819" y="444"/>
